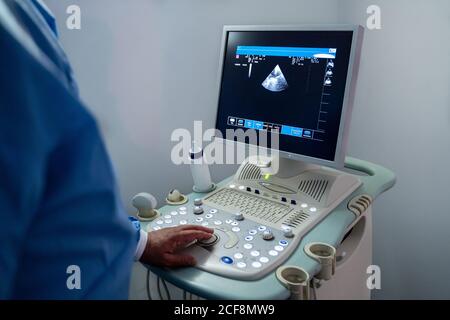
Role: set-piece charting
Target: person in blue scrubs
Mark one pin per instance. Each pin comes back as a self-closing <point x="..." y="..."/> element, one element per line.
<point x="59" y="205"/>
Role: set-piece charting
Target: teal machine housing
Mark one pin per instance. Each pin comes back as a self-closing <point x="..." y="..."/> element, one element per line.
<point x="375" y="180"/>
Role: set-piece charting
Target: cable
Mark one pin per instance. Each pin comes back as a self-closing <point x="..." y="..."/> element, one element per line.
<point x="167" y="289"/>
<point x="158" y="286"/>
<point x="184" y="295"/>
<point x="314" y="287"/>
<point x="149" y="296"/>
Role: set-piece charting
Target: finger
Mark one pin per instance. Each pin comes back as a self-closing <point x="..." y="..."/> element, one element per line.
<point x="194" y="227"/>
<point x="185" y="237"/>
<point x="178" y="260"/>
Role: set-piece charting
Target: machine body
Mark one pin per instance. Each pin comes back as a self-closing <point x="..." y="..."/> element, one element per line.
<point x="283" y="222"/>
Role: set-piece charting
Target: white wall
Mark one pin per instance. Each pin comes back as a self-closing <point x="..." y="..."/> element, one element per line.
<point x="402" y="120"/>
<point x="146" y="67"/>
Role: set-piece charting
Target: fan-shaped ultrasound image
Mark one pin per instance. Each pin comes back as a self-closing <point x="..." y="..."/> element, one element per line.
<point x="275" y="81"/>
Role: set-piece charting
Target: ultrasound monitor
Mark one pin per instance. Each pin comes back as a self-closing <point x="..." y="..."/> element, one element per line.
<point x="297" y="82"/>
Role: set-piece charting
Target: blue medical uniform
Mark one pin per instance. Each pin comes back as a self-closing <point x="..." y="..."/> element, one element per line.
<point x="59" y="205"/>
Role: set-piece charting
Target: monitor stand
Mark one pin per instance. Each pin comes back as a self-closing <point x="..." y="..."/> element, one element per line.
<point x="280" y="166"/>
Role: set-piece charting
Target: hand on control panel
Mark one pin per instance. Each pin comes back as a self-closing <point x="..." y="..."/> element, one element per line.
<point x="164" y="246"/>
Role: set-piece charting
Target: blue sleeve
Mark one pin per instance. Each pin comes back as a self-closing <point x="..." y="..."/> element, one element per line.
<point x="58" y="197"/>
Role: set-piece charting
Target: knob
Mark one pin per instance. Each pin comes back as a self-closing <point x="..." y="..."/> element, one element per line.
<point x="288" y="233"/>
<point x="209" y="242"/>
<point x="238" y="216"/>
<point x="145" y="203"/>
<point x="198" y="210"/>
<point x="175" y="196"/>
<point x="198" y="202"/>
<point x="267" y="235"/>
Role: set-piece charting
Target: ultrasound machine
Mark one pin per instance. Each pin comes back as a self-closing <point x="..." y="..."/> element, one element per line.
<point x="303" y="230"/>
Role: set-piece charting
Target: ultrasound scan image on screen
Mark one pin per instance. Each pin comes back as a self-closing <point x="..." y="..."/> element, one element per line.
<point x="289" y="82"/>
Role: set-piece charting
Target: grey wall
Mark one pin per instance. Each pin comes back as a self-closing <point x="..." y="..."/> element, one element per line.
<point x="402" y="120"/>
<point x="146" y="67"/>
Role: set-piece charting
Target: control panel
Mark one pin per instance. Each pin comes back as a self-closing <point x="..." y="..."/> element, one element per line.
<point x="253" y="234"/>
<point x="258" y="222"/>
<point x="240" y="248"/>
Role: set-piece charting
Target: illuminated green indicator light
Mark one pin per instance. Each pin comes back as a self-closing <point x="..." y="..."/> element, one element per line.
<point x="266" y="176"/>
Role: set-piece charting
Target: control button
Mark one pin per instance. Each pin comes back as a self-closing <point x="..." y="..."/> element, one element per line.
<point x="313" y="209"/>
<point x="262" y="228"/>
<point x="236" y="229"/>
<point x="288" y="232"/>
<point x="228" y="221"/>
<point x="213" y="211"/>
<point x="217" y="222"/>
<point x="248" y="238"/>
<point x="256" y="191"/>
<point x="264" y="259"/>
<point x="234" y="223"/>
<point x="226" y="260"/>
<point x="279" y="248"/>
<point x="284" y="199"/>
<point x="304" y="205"/>
<point x="238" y="216"/>
<point x="283" y="243"/>
<point x="252" y="232"/>
<point x="241" y="187"/>
<point x="208" y="216"/>
<point x="238" y="255"/>
<point x="183" y="213"/>
<point x="198" y="210"/>
<point x="205" y="224"/>
<point x="198" y="202"/>
<point x="174" y="213"/>
<point x="183" y="222"/>
<point x="248" y="246"/>
<point x="183" y="209"/>
<point x="249" y="189"/>
<point x="199" y="219"/>
<point x="267" y="235"/>
<point x="256" y="264"/>
<point x="294" y="202"/>
<point x="232" y="186"/>
<point x="273" y="253"/>
<point x="168" y="221"/>
<point x="156" y="228"/>
<point x="167" y="216"/>
<point x="241" y="265"/>
<point x="159" y="222"/>
<point x="255" y="253"/>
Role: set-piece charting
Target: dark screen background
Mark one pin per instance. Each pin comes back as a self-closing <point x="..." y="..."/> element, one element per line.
<point x="299" y="105"/>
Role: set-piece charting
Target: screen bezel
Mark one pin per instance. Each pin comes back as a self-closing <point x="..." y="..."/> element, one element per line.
<point x="349" y="94"/>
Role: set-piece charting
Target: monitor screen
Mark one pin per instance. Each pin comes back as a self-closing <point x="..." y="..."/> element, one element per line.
<point x="289" y="82"/>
